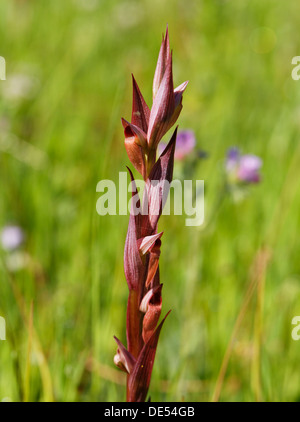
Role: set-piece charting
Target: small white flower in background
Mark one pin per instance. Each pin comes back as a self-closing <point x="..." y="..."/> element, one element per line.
<point x="20" y="86"/>
<point x="17" y="260"/>
<point x="12" y="237"/>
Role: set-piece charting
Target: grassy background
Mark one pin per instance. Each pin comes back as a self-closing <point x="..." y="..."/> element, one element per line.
<point x="60" y="133"/>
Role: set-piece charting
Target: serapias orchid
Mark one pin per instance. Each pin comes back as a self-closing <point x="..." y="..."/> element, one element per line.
<point x="147" y="127"/>
<point x="143" y="242"/>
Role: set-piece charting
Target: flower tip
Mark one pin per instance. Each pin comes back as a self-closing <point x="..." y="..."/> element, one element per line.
<point x="167" y="31"/>
<point x="167" y="314"/>
<point x="133" y="79"/>
<point x="124" y="122"/>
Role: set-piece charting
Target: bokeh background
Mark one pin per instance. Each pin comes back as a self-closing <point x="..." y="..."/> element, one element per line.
<point x="234" y="284"/>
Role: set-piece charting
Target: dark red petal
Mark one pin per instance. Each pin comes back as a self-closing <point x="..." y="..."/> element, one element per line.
<point x="132" y="260"/>
<point x="134" y="323"/>
<point x="134" y="273"/>
<point x="126" y="357"/>
<point x="156" y="190"/>
<point x="135" y="144"/>
<point x="148" y="297"/>
<point x="162" y="109"/>
<point x="151" y="305"/>
<point x="152" y="268"/>
<point x="131" y="130"/>
<point x="139" y="379"/>
<point x="163" y="58"/>
<point x="135" y="155"/>
<point x="140" y="110"/>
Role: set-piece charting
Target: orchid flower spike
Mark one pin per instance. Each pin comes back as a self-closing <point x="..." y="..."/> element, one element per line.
<point x="143" y="242"/>
<point x="147" y="127"/>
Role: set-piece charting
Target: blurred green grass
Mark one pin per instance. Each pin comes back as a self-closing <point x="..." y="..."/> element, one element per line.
<point x="62" y="135"/>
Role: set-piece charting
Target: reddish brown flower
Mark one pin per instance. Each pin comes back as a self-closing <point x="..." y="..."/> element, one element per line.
<point x="143" y="242"/>
<point x="147" y="127"/>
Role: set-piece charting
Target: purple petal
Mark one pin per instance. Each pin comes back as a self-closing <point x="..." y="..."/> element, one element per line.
<point x="12" y="237"/>
<point x="185" y="144"/>
<point x="232" y="159"/>
<point x="249" y="167"/>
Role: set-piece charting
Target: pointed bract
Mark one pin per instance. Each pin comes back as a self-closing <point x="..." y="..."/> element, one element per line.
<point x="139" y="379"/>
<point x="140" y="110"/>
<point x="134" y="273"/>
<point x="133" y="264"/>
<point x="163" y="58"/>
<point x="162" y="109"/>
<point x="158" y="184"/>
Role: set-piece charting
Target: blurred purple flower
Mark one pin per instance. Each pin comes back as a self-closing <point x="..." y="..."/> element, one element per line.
<point x="243" y="168"/>
<point x="185" y="144"/>
<point x="232" y="160"/>
<point x="11" y="237"/>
